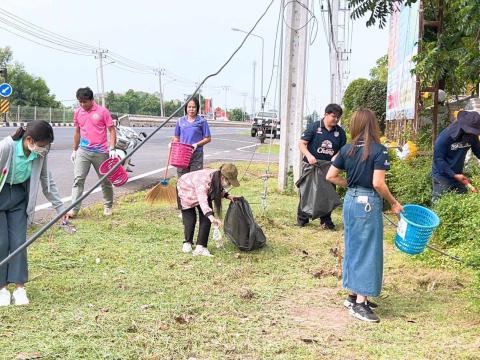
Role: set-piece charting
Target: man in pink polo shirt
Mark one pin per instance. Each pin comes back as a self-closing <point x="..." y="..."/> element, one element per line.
<point x="91" y="147"/>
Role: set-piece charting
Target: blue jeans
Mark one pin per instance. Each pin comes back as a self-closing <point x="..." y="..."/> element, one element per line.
<point x="363" y="259"/>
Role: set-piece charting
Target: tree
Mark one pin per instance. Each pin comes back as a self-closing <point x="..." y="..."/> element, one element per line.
<point x="368" y="93"/>
<point x="380" y="71"/>
<point x="170" y="107"/>
<point x="311" y="118"/>
<point x="237" y="114"/>
<point x="6" y="56"/>
<point x="28" y="90"/>
<point x="351" y="98"/>
<point x="453" y="58"/>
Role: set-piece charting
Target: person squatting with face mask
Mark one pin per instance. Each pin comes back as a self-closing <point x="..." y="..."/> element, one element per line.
<point x="24" y="168"/>
<point x="198" y="190"/>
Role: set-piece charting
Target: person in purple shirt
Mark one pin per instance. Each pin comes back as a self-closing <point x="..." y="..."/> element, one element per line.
<point x="192" y="129"/>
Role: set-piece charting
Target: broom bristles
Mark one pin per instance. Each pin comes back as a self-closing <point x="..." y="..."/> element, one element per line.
<point x="160" y="193"/>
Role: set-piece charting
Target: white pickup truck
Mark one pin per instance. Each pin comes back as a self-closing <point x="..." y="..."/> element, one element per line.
<point x="265" y="124"/>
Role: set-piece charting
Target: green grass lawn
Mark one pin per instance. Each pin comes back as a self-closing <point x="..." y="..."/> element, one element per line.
<point x="120" y="288"/>
<point x="267" y="148"/>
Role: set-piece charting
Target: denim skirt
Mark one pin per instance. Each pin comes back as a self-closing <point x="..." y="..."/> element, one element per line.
<point x="363" y="258"/>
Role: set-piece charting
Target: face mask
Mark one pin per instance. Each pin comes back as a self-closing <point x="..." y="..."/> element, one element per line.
<point x="39" y="150"/>
<point x="225" y="185"/>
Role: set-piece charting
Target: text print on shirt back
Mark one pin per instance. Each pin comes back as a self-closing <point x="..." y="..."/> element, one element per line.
<point x="459" y="145"/>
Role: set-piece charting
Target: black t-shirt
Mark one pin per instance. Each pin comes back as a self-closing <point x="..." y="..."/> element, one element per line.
<point x="323" y="144"/>
<point x="359" y="171"/>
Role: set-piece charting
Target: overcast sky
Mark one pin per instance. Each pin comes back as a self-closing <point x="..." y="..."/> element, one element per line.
<point x="190" y="39"/>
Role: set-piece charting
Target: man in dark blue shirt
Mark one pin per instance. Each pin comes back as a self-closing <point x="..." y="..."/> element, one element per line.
<point x="449" y="153"/>
<point x="321" y="141"/>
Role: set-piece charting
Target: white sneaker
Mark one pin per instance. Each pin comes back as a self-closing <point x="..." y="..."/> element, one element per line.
<point x="201" y="251"/>
<point x="187" y="247"/>
<point x="19" y="296"/>
<point x="5" y="297"/>
<point x="107" y="211"/>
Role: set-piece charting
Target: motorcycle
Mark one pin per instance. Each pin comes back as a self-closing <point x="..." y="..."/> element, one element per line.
<point x="127" y="140"/>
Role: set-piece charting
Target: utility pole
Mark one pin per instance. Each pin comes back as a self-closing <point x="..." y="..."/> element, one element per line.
<point x="253" y="90"/>
<point x="293" y="83"/>
<point x="244" y="108"/>
<point x="160" y="72"/>
<point x="338" y="16"/>
<point x="199" y="99"/>
<point x="334" y="65"/>
<point x="100" y="55"/>
<point x="226" y="88"/>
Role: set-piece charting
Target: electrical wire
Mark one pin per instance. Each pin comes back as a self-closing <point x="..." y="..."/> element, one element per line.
<point x="45" y="31"/>
<point x="52" y="222"/>
<point x="44" y="45"/>
<point x="312" y="15"/>
<point x="327" y="36"/>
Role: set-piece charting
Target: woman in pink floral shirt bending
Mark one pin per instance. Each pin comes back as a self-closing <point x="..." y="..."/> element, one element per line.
<point x="200" y="189"/>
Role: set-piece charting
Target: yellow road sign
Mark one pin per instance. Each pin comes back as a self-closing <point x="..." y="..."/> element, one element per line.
<point x="4" y="106"/>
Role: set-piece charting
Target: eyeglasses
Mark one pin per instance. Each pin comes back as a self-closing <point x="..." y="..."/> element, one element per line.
<point x="336" y="116"/>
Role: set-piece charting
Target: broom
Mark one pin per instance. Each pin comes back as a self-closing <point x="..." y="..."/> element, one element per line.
<point x="163" y="192"/>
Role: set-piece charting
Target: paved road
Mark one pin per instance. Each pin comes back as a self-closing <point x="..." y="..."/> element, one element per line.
<point x="227" y="144"/>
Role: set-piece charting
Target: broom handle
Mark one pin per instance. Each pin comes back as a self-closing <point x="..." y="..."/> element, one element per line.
<point x="168" y="163"/>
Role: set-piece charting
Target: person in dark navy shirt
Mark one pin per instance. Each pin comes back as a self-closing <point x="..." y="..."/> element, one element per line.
<point x="449" y="153"/>
<point x="321" y="141"/>
<point x="365" y="161"/>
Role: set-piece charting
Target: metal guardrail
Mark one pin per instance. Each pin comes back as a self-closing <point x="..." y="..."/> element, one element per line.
<point x="19" y="115"/>
<point x="145" y="120"/>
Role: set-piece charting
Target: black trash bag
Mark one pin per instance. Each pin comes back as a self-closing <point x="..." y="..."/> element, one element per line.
<point x="317" y="195"/>
<point x="240" y="227"/>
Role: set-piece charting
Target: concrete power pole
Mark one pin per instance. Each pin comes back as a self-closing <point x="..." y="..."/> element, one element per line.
<point x="253" y="90"/>
<point x="160" y="72"/>
<point x="292" y="90"/>
<point x="226" y="88"/>
<point x="100" y="55"/>
<point x="334" y="51"/>
<point x="244" y="107"/>
<point x="338" y="17"/>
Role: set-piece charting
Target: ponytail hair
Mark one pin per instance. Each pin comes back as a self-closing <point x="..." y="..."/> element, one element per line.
<point x="38" y="130"/>
<point x="215" y="192"/>
<point x="19" y="133"/>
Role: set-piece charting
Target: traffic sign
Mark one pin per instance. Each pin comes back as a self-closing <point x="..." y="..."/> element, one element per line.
<point x="4" y="106"/>
<point x="5" y="90"/>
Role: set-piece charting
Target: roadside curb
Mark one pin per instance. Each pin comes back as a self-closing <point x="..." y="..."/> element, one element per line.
<point x="18" y="124"/>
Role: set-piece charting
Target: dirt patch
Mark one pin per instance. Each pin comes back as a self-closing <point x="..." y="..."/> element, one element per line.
<point x="317" y="315"/>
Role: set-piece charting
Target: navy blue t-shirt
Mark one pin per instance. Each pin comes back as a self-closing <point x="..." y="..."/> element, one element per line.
<point x="323" y="144"/>
<point x="449" y="154"/>
<point x="359" y="171"/>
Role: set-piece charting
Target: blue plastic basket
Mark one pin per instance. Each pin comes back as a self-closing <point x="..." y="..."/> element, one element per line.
<point x="415" y="228"/>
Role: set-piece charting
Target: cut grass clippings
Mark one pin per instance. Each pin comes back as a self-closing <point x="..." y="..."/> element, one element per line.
<point x="120" y="288"/>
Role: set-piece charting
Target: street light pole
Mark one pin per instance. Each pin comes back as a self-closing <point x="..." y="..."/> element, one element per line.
<point x="262" y="100"/>
<point x="253" y="90"/>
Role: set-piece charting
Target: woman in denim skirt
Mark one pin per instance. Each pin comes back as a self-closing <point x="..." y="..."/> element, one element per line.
<point x="365" y="162"/>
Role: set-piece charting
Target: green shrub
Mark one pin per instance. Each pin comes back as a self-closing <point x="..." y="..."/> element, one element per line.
<point x="410" y="181"/>
<point x="460" y="224"/>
